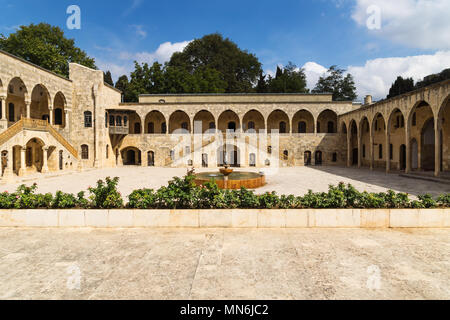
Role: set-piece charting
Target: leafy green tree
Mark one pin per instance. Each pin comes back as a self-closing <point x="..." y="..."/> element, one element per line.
<point x="401" y="86"/>
<point x="45" y="46"/>
<point x="342" y="88"/>
<point x="288" y="80"/>
<point x="262" y="87"/>
<point x="238" y="68"/>
<point x="434" y="78"/>
<point x="123" y="85"/>
<point x="108" y="78"/>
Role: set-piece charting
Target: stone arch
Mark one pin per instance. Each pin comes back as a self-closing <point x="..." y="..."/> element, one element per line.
<point x="41" y="103"/>
<point x="154" y="122"/>
<point x="229" y="154"/>
<point x="131" y="156"/>
<point x="353" y="140"/>
<point x="34" y="156"/>
<point x="303" y="122"/>
<point x="419" y="116"/>
<point x="327" y="121"/>
<point x="204" y="122"/>
<point x="253" y="121"/>
<point x="395" y="152"/>
<point x="179" y="122"/>
<point x="59" y="110"/>
<point x="365" y="139"/>
<point x="379" y="148"/>
<point x="17" y="96"/>
<point x="229" y="121"/>
<point x="278" y="120"/>
<point x="444" y="123"/>
<point x="134" y="122"/>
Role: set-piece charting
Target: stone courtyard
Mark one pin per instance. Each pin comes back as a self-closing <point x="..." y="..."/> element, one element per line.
<point x="224" y="264"/>
<point x="288" y="180"/>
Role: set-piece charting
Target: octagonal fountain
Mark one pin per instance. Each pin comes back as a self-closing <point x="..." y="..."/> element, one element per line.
<point x="227" y="178"/>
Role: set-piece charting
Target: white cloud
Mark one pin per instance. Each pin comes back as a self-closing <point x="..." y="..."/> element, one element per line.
<point x="139" y="30"/>
<point x="163" y="53"/>
<point x="423" y="24"/>
<point x="134" y="5"/>
<point x="123" y="64"/>
<point x="376" y="76"/>
<point x="313" y="72"/>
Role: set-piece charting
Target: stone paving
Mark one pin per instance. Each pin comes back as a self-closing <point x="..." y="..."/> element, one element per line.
<point x="224" y="264"/>
<point x="289" y="180"/>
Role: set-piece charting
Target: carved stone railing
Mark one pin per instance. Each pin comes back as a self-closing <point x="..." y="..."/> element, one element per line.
<point x="36" y="125"/>
<point x="11" y="132"/>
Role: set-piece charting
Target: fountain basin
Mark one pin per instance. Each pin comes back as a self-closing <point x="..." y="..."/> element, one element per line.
<point x="236" y="179"/>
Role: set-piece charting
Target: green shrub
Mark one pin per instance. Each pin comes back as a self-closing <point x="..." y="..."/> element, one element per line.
<point x="444" y="200"/>
<point x="105" y="195"/>
<point x="142" y="199"/>
<point x="427" y="201"/>
<point x="183" y="193"/>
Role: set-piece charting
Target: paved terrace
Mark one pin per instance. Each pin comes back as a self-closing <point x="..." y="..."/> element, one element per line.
<point x="224" y="264"/>
<point x="290" y="180"/>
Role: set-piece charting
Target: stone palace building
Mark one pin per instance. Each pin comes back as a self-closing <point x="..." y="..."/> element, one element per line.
<point x="49" y="123"/>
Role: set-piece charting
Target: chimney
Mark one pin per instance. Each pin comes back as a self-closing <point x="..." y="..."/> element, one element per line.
<point x="368" y="100"/>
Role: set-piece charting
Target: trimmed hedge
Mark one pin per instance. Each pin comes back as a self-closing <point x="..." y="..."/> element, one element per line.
<point x="182" y="193"/>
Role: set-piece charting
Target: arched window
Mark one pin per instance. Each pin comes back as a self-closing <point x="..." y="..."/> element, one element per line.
<point x="125" y="121"/>
<point x="106" y="119"/>
<point x="163" y="127"/>
<point x="58" y="116"/>
<point x="251" y="125"/>
<point x="232" y="126"/>
<point x="252" y="160"/>
<point x="364" y="151"/>
<point x="380" y="151"/>
<point x="334" y="157"/>
<point x="118" y="121"/>
<point x="302" y="127"/>
<point x="151" y="127"/>
<point x="184" y="126"/>
<point x="112" y="121"/>
<point x="282" y="127"/>
<point x="318" y="127"/>
<point x="330" y="127"/>
<point x="212" y="125"/>
<point x="87" y="119"/>
<point x="84" y="152"/>
<point x="414" y="119"/>
<point x="11" y="116"/>
<point x="107" y="151"/>
<point x="285" y="155"/>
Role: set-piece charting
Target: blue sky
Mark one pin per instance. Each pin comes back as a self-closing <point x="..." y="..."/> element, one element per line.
<point x="413" y="39"/>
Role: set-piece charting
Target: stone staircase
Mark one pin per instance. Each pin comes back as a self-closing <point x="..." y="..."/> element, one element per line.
<point x="36" y="125"/>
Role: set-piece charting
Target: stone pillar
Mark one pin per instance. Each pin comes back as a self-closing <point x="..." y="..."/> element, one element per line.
<point x="371" y="149"/>
<point x="349" y="147"/>
<point x="387" y="152"/>
<point x="44" y="161"/>
<point x="50" y="109"/>
<point x="359" y="149"/>
<point x="315" y="126"/>
<point x="437" y="148"/>
<point x="3" y="103"/>
<point x="143" y="158"/>
<point x="8" y="175"/>
<point x="22" y="161"/>
<point x="66" y="119"/>
<point x="408" y="150"/>
<point x="28" y="106"/>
